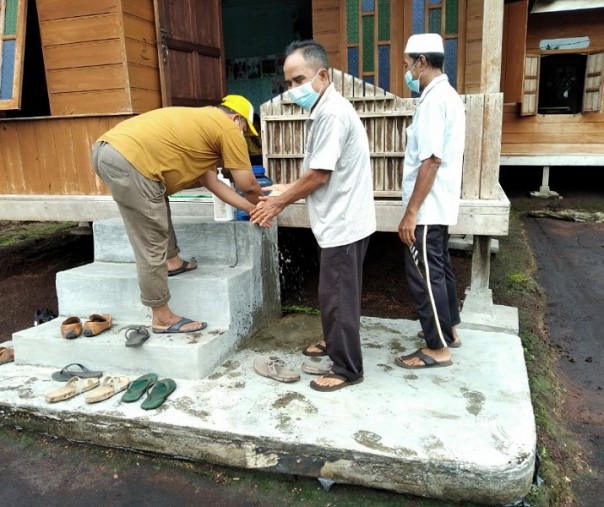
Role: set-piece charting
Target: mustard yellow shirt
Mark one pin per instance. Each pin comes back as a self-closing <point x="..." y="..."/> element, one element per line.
<point x="177" y="145"/>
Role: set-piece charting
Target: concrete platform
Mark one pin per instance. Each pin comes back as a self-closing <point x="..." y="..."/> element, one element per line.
<point x="462" y="433"/>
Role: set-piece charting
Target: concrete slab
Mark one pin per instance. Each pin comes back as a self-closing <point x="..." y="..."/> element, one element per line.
<point x="463" y="433"/>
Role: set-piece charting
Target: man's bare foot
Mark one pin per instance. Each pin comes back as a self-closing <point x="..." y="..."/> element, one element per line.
<point x="178" y="325"/>
<point x="164" y="317"/>
<point x="176" y="263"/>
<point x="328" y="381"/>
<point x="318" y="349"/>
<point x="414" y="361"/>
<point x="332" y="382"/>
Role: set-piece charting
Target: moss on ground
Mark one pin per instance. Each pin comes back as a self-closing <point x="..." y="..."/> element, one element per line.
<point x="12" y="233"/>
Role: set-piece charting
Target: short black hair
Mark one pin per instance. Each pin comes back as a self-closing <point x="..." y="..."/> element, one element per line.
<point x="312" y="51"/>
<point x="435" y="60"/>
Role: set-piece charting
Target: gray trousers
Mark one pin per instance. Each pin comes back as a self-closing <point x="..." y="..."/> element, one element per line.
<point x="145" y="210"/>
<point x="432" y="284"/>
<point x="340" y="289"/>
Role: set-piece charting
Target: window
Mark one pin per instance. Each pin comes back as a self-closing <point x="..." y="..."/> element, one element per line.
<point x="563" y="83"/>
<point x="12" y="36"/>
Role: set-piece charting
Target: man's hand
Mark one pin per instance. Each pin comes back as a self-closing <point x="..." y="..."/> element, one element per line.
<point x="267" y="209"/>
<point x="406" y="229"/>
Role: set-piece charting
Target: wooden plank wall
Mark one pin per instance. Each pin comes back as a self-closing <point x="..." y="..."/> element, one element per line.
<point x="565" y="134"/>
<point x="82" y="43"/>
<point x="552" y="134"/>
<point x="329" y="29"/>
<point x="51" y="156"/>
<point x="141" y="54"/>
<point x="473" y="64"/>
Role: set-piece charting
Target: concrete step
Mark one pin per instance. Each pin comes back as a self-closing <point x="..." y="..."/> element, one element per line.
<point x="214" y="294"/>
<point x="211" y="243"/>
<point x="180" y="355"/>
<point x="235" y="301"/>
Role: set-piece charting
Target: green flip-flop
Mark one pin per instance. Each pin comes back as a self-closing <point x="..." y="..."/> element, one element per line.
<point x="158" y="393"/>
<point x="138" y="387"/>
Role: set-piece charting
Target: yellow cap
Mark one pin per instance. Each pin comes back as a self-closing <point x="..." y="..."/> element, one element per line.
<point x="243" y="107"/>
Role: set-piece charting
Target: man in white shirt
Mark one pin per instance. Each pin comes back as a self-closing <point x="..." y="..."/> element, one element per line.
<point x="431" y="197"/>
<point x="338" y="188"/>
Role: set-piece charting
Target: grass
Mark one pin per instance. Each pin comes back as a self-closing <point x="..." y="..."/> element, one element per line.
<point x="12" y="233"/>
<point x="301" y="309"/>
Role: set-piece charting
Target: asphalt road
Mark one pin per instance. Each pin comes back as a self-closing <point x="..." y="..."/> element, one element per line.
<point x="570" y="260"/>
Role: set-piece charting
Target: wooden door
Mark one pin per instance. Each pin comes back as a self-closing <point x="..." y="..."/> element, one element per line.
<point x="191" y="52"/>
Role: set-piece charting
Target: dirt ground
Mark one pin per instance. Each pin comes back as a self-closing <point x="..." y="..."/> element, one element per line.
<point x="27" y="284"/>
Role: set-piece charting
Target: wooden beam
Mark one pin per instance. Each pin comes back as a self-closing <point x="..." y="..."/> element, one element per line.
<point x="492" y="37"/>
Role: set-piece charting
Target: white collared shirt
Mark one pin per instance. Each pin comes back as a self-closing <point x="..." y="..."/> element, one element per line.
<point x="342" y="211"/>
<point x="438" y="128"/>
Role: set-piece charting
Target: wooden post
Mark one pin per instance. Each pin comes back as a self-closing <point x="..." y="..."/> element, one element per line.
<point x="490" y="78"/>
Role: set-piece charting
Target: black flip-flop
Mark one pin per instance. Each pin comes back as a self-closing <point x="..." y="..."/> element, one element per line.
<point x="184" y="267"/>
<point x="81" y="371"/>
<point x="136" y="336"/>
<point x="345" y="383"/>
<point x="317" y="345"/>
<point x="429" y="362"/>
<point x="177" y="327"/>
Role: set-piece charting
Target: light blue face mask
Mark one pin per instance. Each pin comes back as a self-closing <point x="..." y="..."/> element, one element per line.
<point x="413" y="84"/>
<point x="305" y="95"/>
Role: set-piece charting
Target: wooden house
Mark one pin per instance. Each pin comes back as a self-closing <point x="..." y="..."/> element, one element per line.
<point x="552" y="78"/>
<point x="71" y="70"/>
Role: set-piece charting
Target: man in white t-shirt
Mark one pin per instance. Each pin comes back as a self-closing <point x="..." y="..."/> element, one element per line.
<point x="338" y="188"/>
<point x="431" y="196"/>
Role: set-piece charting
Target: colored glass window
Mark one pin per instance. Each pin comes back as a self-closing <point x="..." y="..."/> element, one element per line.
<point x="369" y="79"/>
<point x="353" y="61"/>
<point x="451" y="61"/>
<point x="384" y="19"/>
<point x="434" y="21"/>
<point x="352" y="21"/>
<point x="384" y="66"/>
<point x="12" y="43"/>
<point x="418" y="16"/>
<point x="368" y="5"/>
<point x="10" y="17"/>
<point x="435" y="2"/>
<point x="8" y="69"/>
<point x="451" y="17"/>
<point x="368" y="43"/>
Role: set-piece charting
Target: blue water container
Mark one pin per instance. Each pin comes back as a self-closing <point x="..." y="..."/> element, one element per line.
<point x="263" y="181"/>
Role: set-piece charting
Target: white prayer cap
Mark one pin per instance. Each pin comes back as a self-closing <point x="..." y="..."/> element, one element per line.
<point x="425" y="43"/>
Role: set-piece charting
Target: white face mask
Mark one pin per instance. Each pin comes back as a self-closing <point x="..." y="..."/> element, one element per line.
<point x="305" y="95"/>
